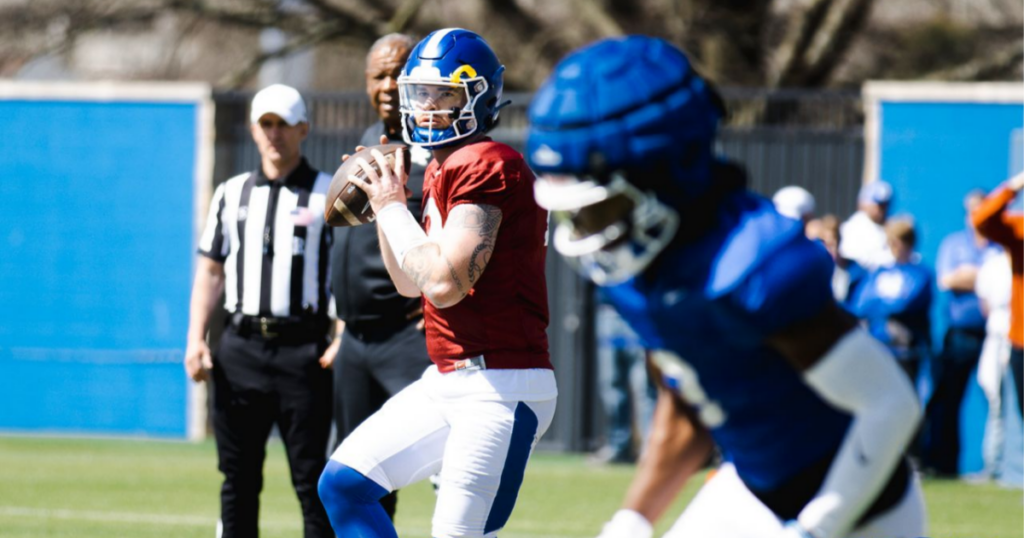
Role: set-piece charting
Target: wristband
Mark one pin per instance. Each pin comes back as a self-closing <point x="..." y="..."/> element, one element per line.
<point x="401" y="230"/>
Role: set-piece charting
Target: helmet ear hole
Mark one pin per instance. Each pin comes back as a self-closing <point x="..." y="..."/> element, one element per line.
<point x="489" y="121"/>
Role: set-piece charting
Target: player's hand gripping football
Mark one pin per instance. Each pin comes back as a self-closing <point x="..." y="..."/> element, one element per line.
<point x="389" y="185"/>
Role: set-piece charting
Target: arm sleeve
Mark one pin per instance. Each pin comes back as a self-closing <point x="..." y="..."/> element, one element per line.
<point x="214" y="242"/>
<point x="859" y="376"/>
<point x="990" y="217"/>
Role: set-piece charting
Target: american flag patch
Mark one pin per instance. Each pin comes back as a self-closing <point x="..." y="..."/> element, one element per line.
<point x="302" y="216"/>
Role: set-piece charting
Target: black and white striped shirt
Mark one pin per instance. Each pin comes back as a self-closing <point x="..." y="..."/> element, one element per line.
<point x="273" y="242"/>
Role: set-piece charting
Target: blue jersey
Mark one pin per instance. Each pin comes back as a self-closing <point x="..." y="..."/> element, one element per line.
<point x="706" y="313"/>
<point x="902" y="293"/>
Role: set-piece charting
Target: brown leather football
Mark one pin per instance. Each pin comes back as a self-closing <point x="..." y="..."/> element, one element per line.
<point x="347" y="204"/>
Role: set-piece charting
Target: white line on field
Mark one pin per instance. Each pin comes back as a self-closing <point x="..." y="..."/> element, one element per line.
<point x="113" y="517"/>
<point x="188" y="521"/>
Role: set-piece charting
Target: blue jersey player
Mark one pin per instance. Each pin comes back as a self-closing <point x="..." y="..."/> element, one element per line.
<point x="811" y="413"/>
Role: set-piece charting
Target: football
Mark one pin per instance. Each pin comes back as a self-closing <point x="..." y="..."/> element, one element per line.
<point x="347" y="204"/>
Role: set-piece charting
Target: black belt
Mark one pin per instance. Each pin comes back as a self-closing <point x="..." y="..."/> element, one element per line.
<point x="273" y="328"/>
<point x="378" y="329"/>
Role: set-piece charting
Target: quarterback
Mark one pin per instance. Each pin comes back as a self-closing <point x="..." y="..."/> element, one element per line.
<point x="477" y="259"/>
<point x="812" y="415"/>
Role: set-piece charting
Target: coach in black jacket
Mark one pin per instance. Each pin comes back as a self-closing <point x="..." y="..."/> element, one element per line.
<point x="382" y="347"/>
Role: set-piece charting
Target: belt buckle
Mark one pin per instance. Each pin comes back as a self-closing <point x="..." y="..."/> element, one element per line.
<point x="265" y="324"/>
<point x="475" y="363"/>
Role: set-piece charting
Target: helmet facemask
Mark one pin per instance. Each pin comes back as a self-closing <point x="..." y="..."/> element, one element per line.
<point x="436" y="112"/>
<point x="608" y="232"/>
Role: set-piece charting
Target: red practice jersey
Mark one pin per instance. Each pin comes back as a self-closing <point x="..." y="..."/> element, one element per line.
<point x="505" y="315"/>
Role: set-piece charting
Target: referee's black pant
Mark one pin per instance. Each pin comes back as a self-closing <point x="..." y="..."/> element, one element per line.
<point x="259" y="383"/>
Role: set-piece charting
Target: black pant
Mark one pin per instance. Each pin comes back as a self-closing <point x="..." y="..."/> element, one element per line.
<point x="259" y="383"/>
<point x="1017" y="367"/>
<point x="375" y="362"/>
<point x="941" y="434"/>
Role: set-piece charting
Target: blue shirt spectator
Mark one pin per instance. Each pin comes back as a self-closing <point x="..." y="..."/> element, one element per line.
<point x="960" y="255"/>
<point x="894" y="300"/>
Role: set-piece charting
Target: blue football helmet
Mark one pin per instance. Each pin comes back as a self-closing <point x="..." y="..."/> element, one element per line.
<point x="449" y="89"/>
<point x="622" y="133"/>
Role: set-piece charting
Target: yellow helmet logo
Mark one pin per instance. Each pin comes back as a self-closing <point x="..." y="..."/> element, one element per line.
<point x="464" y="70"/>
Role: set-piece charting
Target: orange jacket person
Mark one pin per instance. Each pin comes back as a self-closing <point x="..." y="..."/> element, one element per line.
<point x="992" y="220"/>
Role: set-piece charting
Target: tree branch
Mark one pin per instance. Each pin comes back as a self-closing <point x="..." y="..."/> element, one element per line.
<point x="325" y="32"/>
<point x="403" y="16"/>
<point x="800" y="27"/>
<point x="999" y="65"/>
<point x="833" y="38"/>
<point x="597" y="18"/>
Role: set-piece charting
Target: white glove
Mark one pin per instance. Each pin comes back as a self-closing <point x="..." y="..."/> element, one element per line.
<point x="794" y="530"/>
<point x="627" y="524"/>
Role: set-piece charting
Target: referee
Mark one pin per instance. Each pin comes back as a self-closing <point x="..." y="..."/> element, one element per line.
<point x="266" y="247"/>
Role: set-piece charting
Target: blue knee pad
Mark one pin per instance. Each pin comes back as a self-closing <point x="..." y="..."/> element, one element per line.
<point x="352" y="503"/>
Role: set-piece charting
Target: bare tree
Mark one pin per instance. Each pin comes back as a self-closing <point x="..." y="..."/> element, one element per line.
<point x="763" y="43"/>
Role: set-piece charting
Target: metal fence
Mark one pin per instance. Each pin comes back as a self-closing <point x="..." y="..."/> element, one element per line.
<point x="787" y="137"/>
<point x="809" y="138"/>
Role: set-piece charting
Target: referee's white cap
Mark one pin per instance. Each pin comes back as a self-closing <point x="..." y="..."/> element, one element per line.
<point x="284" y="101"/>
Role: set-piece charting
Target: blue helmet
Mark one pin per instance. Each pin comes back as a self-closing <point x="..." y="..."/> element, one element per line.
<point x="449" y="89"/>
<point x="622" y="133"/>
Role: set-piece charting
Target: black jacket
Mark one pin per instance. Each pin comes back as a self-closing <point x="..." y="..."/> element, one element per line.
<point x="363" y="291"/>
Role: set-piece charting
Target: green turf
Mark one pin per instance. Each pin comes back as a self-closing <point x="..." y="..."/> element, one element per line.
<point x="111" y="488"/>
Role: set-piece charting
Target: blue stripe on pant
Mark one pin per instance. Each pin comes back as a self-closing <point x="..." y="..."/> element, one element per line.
<point x="524" y="431"/>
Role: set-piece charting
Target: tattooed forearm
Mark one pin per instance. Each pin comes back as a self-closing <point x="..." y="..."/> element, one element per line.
<point x="434" y="281"/>
<point x="417" y="267"/>
<point x="446" y="271"/>
<point x="454" y="274"/>
<point x="478" y="260"/>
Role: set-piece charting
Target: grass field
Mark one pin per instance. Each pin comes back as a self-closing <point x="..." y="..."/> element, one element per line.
<point x="112" y="488"/>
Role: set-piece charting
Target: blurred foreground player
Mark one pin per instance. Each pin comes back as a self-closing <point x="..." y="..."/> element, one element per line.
<point x="478" y="262"/>
<point x="811" y="413"/>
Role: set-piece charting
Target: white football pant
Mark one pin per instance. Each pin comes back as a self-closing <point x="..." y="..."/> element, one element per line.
<point x="482" y="442"/>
